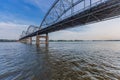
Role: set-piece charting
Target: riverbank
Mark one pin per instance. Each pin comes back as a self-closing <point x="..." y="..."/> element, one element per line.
<point x="5" y="40"/>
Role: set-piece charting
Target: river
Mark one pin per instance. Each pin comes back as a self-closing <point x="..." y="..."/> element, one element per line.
<point x="87" y="60"/>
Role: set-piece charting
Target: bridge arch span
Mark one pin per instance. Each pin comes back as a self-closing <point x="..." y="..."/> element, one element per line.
<point x="65" y="14"/>
<point x="32" y="29"/>
<point x="23" y="34"/>
<point x="62" y="9"/>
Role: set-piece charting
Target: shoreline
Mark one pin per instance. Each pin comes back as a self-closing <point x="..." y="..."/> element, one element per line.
<point x="65" y="40"/>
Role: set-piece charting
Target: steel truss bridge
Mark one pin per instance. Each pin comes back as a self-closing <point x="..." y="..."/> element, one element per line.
<point x="65" y="14"/>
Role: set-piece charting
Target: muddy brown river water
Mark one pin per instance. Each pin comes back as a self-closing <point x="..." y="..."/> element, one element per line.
<point x="86" y="60"/>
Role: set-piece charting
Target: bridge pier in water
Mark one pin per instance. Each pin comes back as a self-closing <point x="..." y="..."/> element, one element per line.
<point x="24" y="41"/>
<point x="27" y="40"/>
<point x="38" y="40"/>
<point x="30" y="40"/>
<point x="39" y="37"/>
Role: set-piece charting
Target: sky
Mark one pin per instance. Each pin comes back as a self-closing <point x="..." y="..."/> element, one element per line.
<point x="17" y="15"/>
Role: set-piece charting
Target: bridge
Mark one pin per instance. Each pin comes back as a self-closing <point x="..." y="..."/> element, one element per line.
<point x="65" y="14"/>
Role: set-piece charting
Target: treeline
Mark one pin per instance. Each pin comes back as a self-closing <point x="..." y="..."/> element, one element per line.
<point x="6" y="40"/>
<point x="65" y="40"/>
<point x="78" y="40"/>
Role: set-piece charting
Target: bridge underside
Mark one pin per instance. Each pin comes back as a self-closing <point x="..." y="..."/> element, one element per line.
<point x="104" y="11"/>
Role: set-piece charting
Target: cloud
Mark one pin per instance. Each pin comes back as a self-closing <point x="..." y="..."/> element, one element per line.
<point x="105" y="30"/>
<point x="10" y="30"/>
<point x="43" y="5"/>
<point x="12" y="25"/>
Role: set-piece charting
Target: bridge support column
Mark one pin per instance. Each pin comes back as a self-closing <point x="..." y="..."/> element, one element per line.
<point x="30" y="40"/>
<point x="24" y="41"/>
<point x="38" y="37"/>
<point x="46" y="39"/>
<point x="37" y="40"/>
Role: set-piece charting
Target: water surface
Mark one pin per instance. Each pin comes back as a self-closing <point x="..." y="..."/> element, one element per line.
<point x="60" y="61"/>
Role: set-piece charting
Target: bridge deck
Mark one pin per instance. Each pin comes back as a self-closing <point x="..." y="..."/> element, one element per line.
<point x="103" y="11"/>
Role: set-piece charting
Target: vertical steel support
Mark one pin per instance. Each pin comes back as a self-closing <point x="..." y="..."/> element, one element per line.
<point x="72" y="8"/>
<point x="90" y="3"/>
<point x="84" y="4"/>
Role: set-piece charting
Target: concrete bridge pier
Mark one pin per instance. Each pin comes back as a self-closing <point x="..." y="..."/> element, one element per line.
<point x="37" y="40"/>
<point x="30" y="40"/>
<point x="24" y="41"/>
<point x="39" y="37"/>
<point x="27" y="40"/>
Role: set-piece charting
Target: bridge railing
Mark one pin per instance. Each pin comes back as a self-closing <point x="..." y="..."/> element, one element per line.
<point x="85" y="8"/>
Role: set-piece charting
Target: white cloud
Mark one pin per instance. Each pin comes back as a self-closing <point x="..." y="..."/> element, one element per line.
<point x="10" y="30"/>
<point x="103" y="30"/>
<point x="99" y="31"/>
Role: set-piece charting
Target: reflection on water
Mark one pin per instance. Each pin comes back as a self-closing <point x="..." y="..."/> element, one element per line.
<point x="60" y="61"/>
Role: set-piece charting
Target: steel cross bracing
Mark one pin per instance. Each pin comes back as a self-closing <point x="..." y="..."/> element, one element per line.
<point x="69" y="13"/>
<point x="62" y="9"/>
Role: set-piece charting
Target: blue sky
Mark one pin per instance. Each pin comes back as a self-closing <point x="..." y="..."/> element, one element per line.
<point x="23" y="11"/>
<point x="17" y="15"/>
